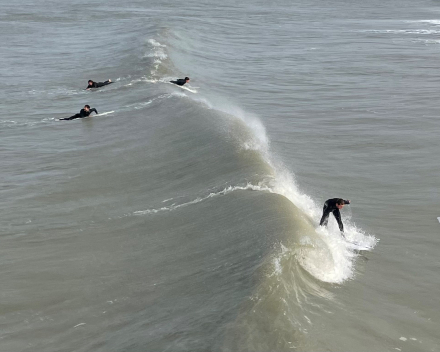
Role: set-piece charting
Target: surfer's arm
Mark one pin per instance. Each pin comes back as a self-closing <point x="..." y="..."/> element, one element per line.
<point x="346" y="201"/>
<point x="93" y="109"/>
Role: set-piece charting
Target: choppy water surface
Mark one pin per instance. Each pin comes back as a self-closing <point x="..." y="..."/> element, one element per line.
<point x="186" y="220"/>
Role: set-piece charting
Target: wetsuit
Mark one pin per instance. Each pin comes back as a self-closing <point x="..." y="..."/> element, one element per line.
<point x="330" y="207"/>
<point x="179" y="82"/>
<point x="98" y="84"/>
<point x="81" y="114"/>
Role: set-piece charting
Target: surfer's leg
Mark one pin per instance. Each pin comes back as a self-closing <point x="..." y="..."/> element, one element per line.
<point x="102" y="84"/>
<point x="76" y="116"/>
<point x="325" y="214"/>
<point x="337" y="215"/>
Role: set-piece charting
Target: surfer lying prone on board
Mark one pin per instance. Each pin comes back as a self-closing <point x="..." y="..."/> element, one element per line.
<point x="333" y="206"/>
<point x="92" y="84"/>
<point x="83" y="113"/>
<point x="181" y="81"/>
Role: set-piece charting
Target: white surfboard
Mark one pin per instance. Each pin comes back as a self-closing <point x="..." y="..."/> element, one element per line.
<point x="358" y="246"/>
<point x="82" y="118"/>
<point x="104" y="113"/>
<point x="192" y="90"/>
<point x="188" y="89"/>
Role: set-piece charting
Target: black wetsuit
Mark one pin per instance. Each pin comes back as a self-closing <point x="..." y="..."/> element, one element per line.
<point x="179" y="82"/>
<point x="330" y="207"/>
<point x="98" y="84"/>
<point x="81" y="114"/>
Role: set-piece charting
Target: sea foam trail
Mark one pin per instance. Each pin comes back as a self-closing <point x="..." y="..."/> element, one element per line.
<point x="225" y="191"/>
<point x="157" y="52"/>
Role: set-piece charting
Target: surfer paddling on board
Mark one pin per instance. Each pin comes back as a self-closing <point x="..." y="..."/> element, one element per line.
<point x="181" y="81"/>
<point x="333" y="206"/>
<point x="92" y="84"/>
<point x="83" y="113"/>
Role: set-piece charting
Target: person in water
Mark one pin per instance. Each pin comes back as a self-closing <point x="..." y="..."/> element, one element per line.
<point x="181" y="81"/>
<point x="92" y="84"/>
<point x="83" y="113"/>
<point x="333" y="206"/>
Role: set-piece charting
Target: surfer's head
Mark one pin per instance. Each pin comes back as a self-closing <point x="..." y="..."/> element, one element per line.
<point x="186" y="79"/>
<point x="90" y="82"/>
<point x="340" y="203"/>
<point x="86" y="107"/>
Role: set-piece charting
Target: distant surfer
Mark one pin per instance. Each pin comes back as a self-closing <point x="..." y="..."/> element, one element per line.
<point x="333" y="206"/>
<point x="83" y="113"/>
<point x="181" y="81"/>
<point x="92" y="84"/>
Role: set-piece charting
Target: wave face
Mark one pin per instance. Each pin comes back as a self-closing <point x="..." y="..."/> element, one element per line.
<point x="186" y="218"/>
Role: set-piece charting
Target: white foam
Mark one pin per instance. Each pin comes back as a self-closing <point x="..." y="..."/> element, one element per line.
<point x="259" y="140"/>
<point x="158" y="53"/>
<point x="177" y="94"/>
<point x="404" y="31"/>
<point x="142" y="105"/>
<point x="155" y="43"/>
<point x="434" y="22"/>
<point x="276" y="261"/>
<point x="188" y="89"/>
<point x="329" y="260"/>
<point x="201" y="199"/>
<point x="56" y="91"/>
<point x="141" y="79"/>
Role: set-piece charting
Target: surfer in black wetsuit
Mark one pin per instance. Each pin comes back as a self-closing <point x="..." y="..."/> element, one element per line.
<point x="333" y="206"/>
<point x="92" y="84"/>
<point x="83" y="113"/>
<point x="181" y="81"/>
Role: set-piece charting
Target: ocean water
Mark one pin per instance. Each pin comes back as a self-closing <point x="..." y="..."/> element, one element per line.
<point x="187" y="219"/>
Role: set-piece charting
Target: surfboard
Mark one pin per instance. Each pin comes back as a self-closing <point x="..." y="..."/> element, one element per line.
<point x="104" y="113"/>
<point x="192" y="90"/>
<point x="83" y="118"/>
<point x="358" y="246"/>
<point x="188" y="89"/>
